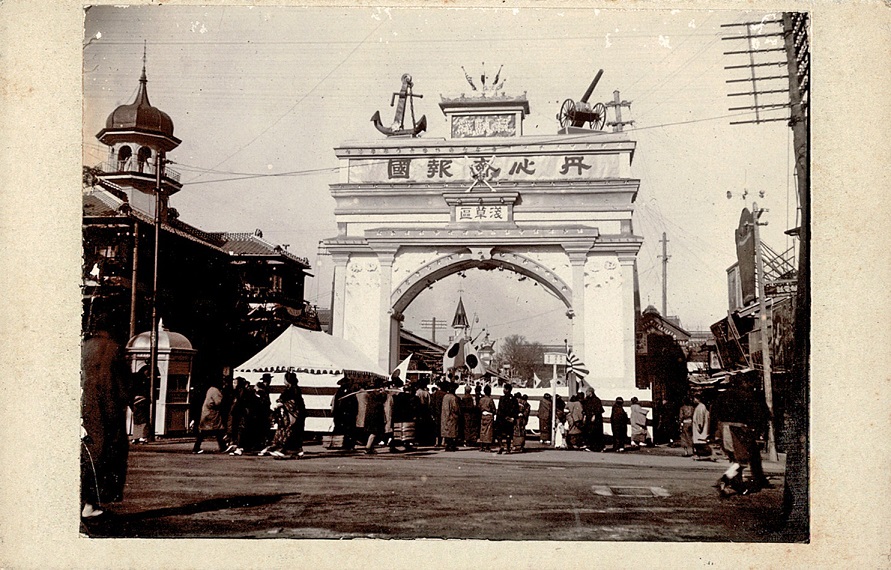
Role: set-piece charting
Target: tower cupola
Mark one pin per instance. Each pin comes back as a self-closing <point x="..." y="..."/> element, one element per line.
<point x="138" y="136"/>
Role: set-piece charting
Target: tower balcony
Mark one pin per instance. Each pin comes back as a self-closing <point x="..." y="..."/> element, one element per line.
<point x="139" y="174"/>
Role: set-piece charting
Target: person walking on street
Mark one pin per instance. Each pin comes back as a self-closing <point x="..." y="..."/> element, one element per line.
<point x="701" y="431"/>
<point x="594" y="421"/>
<point x="639" y="434"/>
<point x="238" y="418"/>
<point x="523" y="410"/>
<point x="291" y="411"/>
<point x="470" y="416"/>
<point x="451" y="417"/>
<point x="618" y="421"/>
<point x="487" y="419"/>
<point x="505" y="418"/>
<point x="544" y="419"/>
<point x="211" y="424"/>
<point x="575" y="419"/>
<point x="436" y="398"/>
<point x="406" y="409"/>
<point x="685" y="426"/>
<point x="140" y="405"/>
<point x="740" y="412"/>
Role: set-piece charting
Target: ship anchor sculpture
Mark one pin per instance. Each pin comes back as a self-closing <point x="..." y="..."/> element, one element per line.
<point x="398" y="126"/>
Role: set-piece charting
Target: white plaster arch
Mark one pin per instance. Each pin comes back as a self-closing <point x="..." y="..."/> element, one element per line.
<point x="487" y="259"/>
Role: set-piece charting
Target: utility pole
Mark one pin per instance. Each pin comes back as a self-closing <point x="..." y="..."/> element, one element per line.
<point x="153" y="358"/>
<point x="433" y="324"/>
<point x="764" y="318"/>
<point x="617" y="104"/>
<point x="796" y="504"/>
<point x="134" y="279"/>
<point x="665" y="257"/>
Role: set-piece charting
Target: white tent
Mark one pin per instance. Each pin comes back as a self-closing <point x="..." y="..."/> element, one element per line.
<point x="319" y="360"/>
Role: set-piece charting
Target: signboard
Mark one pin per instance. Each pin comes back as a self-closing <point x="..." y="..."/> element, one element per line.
<point x="476" y="126"/>
<point x="485" y="213"/>
<point x="781" y="287"/>
<point x="745" y="255"/>
<point x="488" y="168"/>
<point x="558" y="358"/>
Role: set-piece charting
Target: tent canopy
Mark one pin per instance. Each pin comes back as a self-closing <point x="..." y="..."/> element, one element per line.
<point x="315" y="352"/>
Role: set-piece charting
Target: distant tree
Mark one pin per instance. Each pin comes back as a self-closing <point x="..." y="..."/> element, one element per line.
<point x="525" y="358"/>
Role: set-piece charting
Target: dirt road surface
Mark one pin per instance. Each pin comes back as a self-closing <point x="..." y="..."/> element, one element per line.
<point x="543" y="494"/>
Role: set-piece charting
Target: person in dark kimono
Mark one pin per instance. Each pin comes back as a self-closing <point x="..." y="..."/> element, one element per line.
<point x="560" y="409"/>
<point x="451" y="417"/>
<point x="523" y="409"/>
<point x="742" y="414"/>
<point x="263" y="411"/>
<point x="544" y="413"/>
<point x="685" y="425"/>
<point x="424" y="423"/>
<point x="140" y="405"/>
<point x="593" y="407"/>
<point x="618" y="422"/>
<point x="471" y="418"/>
<point x="104" y="445"/>
<point x="344" y="408"/>
<point x="291" y="412"/>
<point x="487" y="419"/>
<point x="374" y="417"/>
<point x="406" y="408"/>
<point x="238" y="424"/>
<point x="505" y="419"/>
<point x="436" y="398"/>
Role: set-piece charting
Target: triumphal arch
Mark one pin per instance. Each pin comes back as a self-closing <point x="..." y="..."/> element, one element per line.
<point x="557" y="209"/>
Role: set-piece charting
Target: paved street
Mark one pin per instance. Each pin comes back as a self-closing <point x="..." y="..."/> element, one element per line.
<point x="652" y="494"/>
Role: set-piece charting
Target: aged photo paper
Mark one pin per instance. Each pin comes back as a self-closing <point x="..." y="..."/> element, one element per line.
<point x="43" y="118"/>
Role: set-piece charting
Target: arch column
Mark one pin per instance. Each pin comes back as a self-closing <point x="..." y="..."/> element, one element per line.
<point x="628" y="264"/>
<point x="386" y="323"/>
<point x="577" y="258"/>
<point x="338" y="293"/>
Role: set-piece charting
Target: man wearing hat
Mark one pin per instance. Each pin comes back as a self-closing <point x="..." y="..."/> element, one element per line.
<point x="505" y="418"/>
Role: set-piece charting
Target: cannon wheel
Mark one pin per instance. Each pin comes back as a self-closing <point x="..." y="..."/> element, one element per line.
<point x="567" y="110"/>
<point x="600" y="114"/>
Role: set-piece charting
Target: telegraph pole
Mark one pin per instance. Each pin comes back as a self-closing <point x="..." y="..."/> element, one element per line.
<point x="665" y="257"/>
<point x="153" y="358"/>
<point x="433" y="324"/>
<point x="764" y="317"/>
<point x="617" y="103"/>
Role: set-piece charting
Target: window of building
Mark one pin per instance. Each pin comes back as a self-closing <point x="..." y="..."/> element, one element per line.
<point x="124" y="155"/>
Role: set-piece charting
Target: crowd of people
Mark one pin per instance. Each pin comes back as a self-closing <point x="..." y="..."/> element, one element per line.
<point x="240" y="416"/>
<point x="403" y="415"/>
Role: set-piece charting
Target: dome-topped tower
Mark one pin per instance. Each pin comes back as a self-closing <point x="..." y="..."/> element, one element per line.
<point x="140" y="115"/>
<point x="137" y="134"/>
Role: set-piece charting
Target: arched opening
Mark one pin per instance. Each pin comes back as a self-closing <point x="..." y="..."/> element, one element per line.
<point x="142" y="157"/>
<point x="509" y="303"/>
<point x="124" y="155"/>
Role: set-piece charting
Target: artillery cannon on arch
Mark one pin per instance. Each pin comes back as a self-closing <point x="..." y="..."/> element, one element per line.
<point x="576" y="114"/>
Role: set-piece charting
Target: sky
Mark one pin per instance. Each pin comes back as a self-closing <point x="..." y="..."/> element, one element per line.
<point x="261" y="96"/>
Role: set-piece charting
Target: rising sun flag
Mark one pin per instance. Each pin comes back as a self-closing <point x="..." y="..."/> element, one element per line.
<point x="575" y="365"/>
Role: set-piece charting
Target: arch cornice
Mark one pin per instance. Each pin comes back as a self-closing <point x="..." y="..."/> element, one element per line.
<point x="485" y="258"/>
